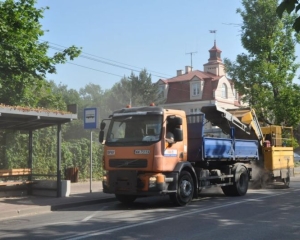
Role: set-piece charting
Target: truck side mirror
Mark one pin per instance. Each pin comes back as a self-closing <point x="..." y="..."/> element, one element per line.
<point x="176" y="121"/>
<point x="101" y="136"/>
<point x="102" y="125"/>
<point x="103" y="131"/>
<point x="178" y="135"/>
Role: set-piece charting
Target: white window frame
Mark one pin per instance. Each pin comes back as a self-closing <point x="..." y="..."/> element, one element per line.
<point x="196" y="88"/>
<point x="162" y="90"/>
<point x="224" y="91"/>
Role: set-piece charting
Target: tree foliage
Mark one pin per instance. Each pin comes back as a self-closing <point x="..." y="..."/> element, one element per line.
<point x="264" y="75"/>
<point x="24" y="62"/>
<point x="133" y="90"/>
<point x="48" y="98"/>
<point x="92" y="96"/>
<point x="289" y="6"/>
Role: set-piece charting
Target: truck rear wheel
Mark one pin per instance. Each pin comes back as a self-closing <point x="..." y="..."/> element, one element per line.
<point x="240" y="185"/>
<point x="185" y="190"/>
<point x="126" y="199"/>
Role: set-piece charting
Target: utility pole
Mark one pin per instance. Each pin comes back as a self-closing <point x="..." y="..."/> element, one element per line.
<point x="191" y="53"/>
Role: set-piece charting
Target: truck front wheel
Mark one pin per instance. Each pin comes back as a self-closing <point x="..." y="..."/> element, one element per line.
<point x="185" y="190"/>
<point x="126" y="199"/>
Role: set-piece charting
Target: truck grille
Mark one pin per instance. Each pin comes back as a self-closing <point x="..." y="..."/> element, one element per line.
<point x="128" y="163"/>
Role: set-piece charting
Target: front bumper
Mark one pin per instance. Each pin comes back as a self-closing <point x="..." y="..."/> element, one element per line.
<point x="140" y="184"/>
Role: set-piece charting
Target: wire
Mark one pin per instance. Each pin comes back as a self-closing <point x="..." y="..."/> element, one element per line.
<point x="101" y="61"/>
<point x="112" y="62"/>
<point x="94" y="69"/>
<point x="96" y="56"/>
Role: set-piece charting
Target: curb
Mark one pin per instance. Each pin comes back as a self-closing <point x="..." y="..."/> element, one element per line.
<point x="49" y="208"/>
<point x="81" y="203"/>
<point x="24" y="212"/>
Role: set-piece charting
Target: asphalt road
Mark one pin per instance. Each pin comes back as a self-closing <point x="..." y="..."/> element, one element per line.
<point x="261" y="214"/>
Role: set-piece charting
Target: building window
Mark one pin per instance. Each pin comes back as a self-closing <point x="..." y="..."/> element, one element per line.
<point x="161" y="91"/>
<point x="224" y="90"/>
<point x="196" y="89"/>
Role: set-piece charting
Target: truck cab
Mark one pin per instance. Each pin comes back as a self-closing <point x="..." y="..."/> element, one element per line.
<point x="142" y="147"/>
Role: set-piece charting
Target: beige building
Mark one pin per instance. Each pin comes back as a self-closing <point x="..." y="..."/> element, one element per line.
<point x="192" y="89"/>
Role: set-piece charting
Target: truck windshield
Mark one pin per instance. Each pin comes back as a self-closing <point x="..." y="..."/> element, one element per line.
<point x="135" y="129"/>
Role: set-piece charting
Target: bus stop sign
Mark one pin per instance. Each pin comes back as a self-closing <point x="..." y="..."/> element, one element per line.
<point x="91" y="120"/>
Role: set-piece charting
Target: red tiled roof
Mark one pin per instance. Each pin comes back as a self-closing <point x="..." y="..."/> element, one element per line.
<point x="189" y="76"/>
<point x="178" y="92"/>
<point x="179" y="86"/>
<point x="163" y="80"/>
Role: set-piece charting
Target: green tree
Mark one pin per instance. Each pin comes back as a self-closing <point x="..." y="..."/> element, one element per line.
<point x="133" y="90"/>
<point x="24" y="62"/>
<point x="290" y="6"/>
<point x="264" y="76"/>
<point x="92" y="96"/>
<point x="69" y="96"/>
<point x="48" y="98"/>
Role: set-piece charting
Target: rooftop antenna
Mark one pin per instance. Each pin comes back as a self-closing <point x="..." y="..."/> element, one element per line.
<point x="191" y="53"/>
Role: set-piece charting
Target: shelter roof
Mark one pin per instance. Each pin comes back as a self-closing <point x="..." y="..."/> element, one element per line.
<point x="26" y="118"/>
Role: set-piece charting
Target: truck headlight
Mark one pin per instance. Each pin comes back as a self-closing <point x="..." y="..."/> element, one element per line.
<point x="152" y="182"/>
<point x="105" y="178"/>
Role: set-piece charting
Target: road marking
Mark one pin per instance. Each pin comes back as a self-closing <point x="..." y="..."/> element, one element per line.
<point x="115" y="229"/>
<point x="92" y="215"/>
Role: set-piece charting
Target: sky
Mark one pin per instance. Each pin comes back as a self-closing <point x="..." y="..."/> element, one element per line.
<point x="119" y="37"/>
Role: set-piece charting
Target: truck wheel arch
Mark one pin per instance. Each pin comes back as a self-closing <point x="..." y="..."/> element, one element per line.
<point x="187" y="166"/>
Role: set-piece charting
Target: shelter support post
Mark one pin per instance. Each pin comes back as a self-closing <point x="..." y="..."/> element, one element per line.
<point x="59" y="160"/>
<point x="30" y="161"/>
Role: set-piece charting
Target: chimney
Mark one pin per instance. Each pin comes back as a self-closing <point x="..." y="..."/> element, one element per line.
<point x="188" y="69"/>
<point x="179" y="72"/>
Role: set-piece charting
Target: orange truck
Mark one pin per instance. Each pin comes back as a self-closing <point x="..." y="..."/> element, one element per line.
<point x="152" y="151"/>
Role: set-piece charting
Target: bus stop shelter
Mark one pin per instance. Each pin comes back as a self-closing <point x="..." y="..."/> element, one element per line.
<point x="30" y="119"/>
